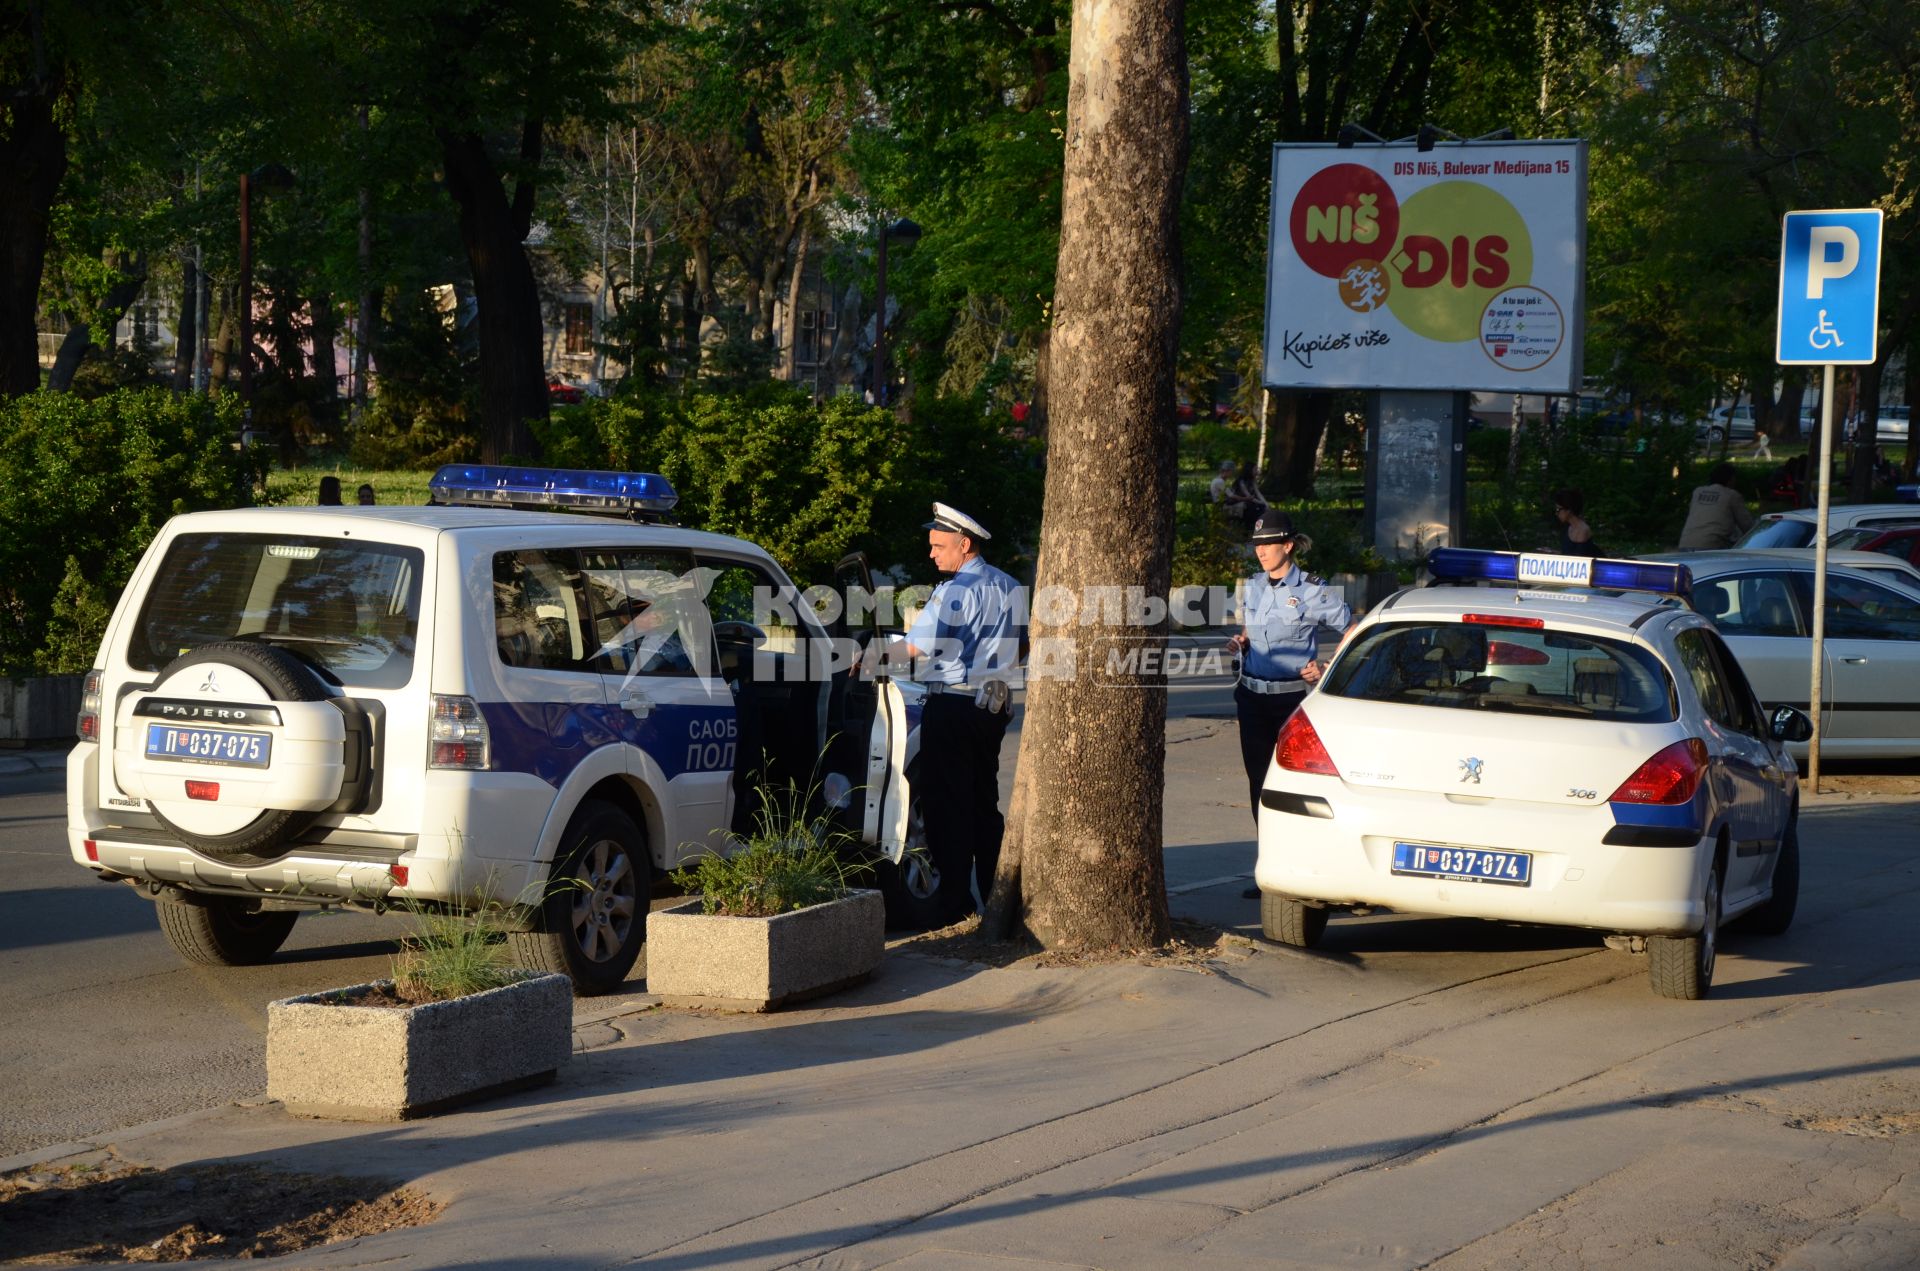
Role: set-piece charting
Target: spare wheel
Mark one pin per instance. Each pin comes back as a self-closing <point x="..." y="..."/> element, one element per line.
<point x="236" y="749"/>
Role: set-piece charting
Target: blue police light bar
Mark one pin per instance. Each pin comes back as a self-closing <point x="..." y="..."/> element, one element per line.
<point x="1906" y="494"/>
<point x="495" y="485"/>
<point x="1462" y="565"/>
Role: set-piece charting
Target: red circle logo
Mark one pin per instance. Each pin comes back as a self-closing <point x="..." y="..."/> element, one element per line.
<point x="1343" y="214"/>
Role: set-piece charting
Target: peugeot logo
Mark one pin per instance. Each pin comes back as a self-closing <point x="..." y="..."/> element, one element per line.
<point x="1470" y="770"/>
<point x="211" y="684"/>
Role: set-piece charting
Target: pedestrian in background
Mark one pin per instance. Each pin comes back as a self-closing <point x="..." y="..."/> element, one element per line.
<point x="1576" y="536"/>
<point x="1245" y="503"/>
<point x="1217" y="488"/>
<point x="1717" y="515"/>
<point x="365" y="496"/>
<point x="967" y="642"/>
<point x="1282" y="609"/>
<point x="329" y="492"/>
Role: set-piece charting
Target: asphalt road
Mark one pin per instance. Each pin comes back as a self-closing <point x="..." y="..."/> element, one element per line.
<point x="108" y="1028"/>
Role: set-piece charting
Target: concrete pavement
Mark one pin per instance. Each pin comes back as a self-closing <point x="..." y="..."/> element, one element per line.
<point x="1417" y="1093"/>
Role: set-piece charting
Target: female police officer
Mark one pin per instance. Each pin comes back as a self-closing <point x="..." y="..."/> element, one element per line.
<point x="1281" y="610"/>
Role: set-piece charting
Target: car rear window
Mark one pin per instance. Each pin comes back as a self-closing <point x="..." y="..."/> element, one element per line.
<point x="1785" y="532"/>
<point x="1518" y="670"/>
<point x="351" y="608"/>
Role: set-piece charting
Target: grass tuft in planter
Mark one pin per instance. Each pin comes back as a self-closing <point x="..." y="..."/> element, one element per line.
<point x="453" y="952"/>
<point x="776" y="921"/>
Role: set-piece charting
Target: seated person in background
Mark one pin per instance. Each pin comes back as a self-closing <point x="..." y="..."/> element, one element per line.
<point x="1717" y="515"/>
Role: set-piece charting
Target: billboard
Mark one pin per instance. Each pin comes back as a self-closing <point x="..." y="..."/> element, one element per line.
<point x="1462" y="267"/>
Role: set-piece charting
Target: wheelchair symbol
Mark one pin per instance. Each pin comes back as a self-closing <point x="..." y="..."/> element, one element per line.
<point x="1823" y="335"/>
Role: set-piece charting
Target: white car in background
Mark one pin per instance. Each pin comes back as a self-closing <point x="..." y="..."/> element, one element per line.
<point x="1536" y="753"/>
<point x="1795" y="528"/>
<point x="1762" y="605"/>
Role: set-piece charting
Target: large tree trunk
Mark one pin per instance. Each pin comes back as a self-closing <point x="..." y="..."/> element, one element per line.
<point x="369" y="315"/>
<point x="33" y="158"/>
<point x="513" y="380"/>
<point x="223" y="358"/>
<point x="1293" y="460"/>
<point x="1087" y="830"/>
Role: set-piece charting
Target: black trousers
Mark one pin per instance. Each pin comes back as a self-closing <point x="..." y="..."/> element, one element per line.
<point x="959" y="780"/>
<point x="1261" y="715"/>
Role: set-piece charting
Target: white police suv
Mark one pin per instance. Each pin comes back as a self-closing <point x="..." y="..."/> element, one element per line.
<point x="1538" y="739"/>
<point x="302" y="707"/>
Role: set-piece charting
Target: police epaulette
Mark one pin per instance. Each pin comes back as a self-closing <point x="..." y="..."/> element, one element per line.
<point x="1314" y="580"/>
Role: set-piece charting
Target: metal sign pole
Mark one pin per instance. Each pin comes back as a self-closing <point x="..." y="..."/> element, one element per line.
<point x="1820" y="572"/>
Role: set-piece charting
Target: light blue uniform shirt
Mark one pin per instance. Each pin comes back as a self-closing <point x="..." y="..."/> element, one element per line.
<point x="1282" y="618"/>
<point x="970" y="629"/>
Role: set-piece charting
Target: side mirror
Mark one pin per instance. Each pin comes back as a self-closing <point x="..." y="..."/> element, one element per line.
<point x="1789" y="724"/>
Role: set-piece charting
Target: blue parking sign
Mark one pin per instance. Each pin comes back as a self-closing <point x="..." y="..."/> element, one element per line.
<point x="1829" y="288"/>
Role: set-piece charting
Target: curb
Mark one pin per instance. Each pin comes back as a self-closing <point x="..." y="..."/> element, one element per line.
<point x="637" y="1004"/>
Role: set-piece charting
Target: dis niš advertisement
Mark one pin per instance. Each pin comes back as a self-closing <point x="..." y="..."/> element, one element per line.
<point x="1460" y="267"/>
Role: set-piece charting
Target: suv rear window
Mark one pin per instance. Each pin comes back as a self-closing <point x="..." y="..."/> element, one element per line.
<point x="1519" y="670"/>
<point x="1786" y="532"/>
<point x="350" y="608"/>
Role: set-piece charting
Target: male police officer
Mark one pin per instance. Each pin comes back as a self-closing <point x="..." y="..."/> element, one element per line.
<point x="1281" y="610"/>
<point x="967" y="645"/>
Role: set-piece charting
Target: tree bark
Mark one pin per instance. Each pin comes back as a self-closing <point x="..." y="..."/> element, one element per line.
<point x="33" y="159"/>
<point x="1865" y="436"/>
<point x="221" y="359"/>
<point x="186" y="330"/>
<point x="796" y="281"/>
<point x="326" y="381"/>
<point x="1087" y="837"/>
<point x="368" y="316"/>
<point x="513" y="380"/>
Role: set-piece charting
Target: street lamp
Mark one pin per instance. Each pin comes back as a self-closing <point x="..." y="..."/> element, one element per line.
<point x="269" y="177"/>
<point x="907" y="232"/>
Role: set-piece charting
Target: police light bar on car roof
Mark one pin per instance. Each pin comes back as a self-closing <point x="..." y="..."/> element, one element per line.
<point x="495" y="485"/>
<point x="1463" y="565"/>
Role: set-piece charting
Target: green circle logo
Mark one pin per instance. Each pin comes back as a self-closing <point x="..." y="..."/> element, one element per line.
<point x="1461" y="244"/>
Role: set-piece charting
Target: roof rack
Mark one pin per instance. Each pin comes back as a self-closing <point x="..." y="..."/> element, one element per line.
<point x="637" y="496"/>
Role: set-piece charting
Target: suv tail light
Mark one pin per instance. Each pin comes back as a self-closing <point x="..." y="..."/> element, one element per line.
<point x="1299" y="748"/>
<point x="87" y="725"/>
<point x="458" y="735"/>
<point x="1671" y="776"/>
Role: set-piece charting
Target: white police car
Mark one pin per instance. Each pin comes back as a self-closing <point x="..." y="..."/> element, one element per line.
<point x="302" y="707"/>
<point x="1558" y="747"/>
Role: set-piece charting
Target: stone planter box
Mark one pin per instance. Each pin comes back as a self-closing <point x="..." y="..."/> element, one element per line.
<point x="38" y="708"/>
<point x="762" y="964"/>
<point x="327" y="1057"/>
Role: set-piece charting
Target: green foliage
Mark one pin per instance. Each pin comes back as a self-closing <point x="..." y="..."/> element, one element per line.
<point x="1207" y="442"/>
<point x="76" y="626"/>
<point x="1208" y="551"/>
<point x="789" y="860"/>
<point x="812" y="481"/>
<point x="1636" y="488"/>
<point x="84" y="486"/>
<point x="453" y="952"/>
<point x="423" y="415"/>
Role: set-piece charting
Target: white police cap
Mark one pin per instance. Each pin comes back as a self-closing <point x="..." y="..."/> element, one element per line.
<point x="954" y="521"/>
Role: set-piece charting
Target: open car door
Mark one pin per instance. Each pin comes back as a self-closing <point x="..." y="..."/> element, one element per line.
<point x="871" y="725"/>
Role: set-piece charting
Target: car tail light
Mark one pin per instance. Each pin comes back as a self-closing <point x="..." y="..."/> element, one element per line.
<point x="458" y="736"/>
<point x="92" y="850"/>
<point x="398" y="873"/>
<point x="87" y="726"/>
<point x="1299" y="748"/>
<point x="1669" y="777"/>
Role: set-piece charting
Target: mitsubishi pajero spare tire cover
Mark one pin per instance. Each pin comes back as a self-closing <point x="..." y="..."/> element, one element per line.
<point x="237" y="749"/>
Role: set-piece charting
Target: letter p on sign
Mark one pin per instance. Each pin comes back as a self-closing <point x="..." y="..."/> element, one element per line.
<point x="1822" y="264"/>
<point x="1829" y="288"/>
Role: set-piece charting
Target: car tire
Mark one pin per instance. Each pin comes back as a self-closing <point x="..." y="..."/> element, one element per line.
<point x="911" y="889"/>
<point x="1291" y="922"/>
<point x="287" y="679"/>
<point x="221" y="930"/>
<point x="1682" y="966"/>
<point x="592" y="923"/>
<point x="1775" y="914"/>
